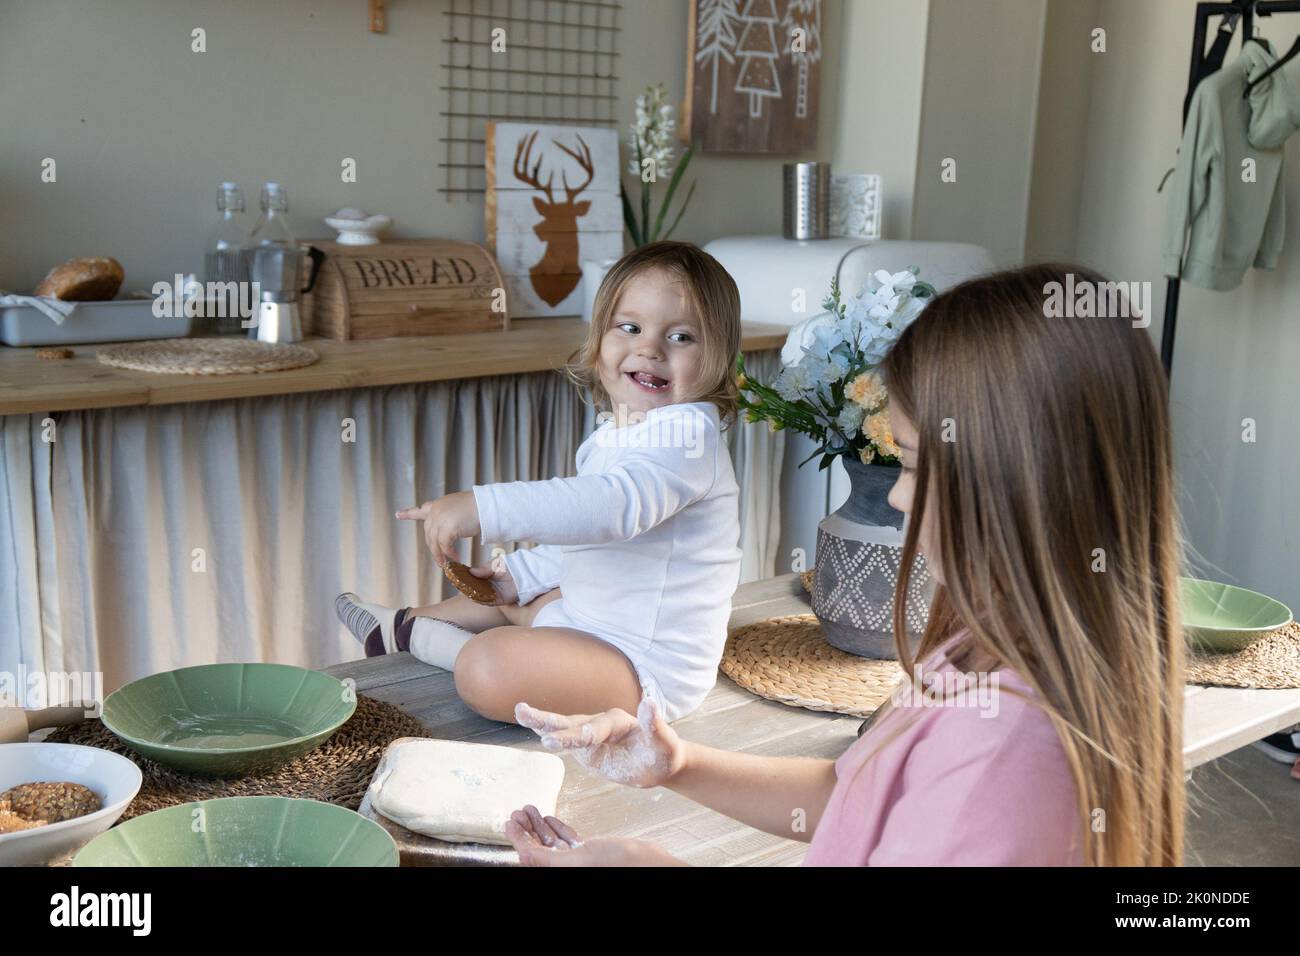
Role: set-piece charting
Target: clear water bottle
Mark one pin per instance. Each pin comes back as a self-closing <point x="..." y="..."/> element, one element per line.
<point x="273" y="229"/>
<point x="273" y="224"/>
<point x="224" y="261"/>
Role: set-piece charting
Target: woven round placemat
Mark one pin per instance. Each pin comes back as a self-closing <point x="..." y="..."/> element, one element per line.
<point x="207" y="356"/>
<point x="1271" y="663"/>
<point x="338" y="771"/>
<point x="787" y="659"/>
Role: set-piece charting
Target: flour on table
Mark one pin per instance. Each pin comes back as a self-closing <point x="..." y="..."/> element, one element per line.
<point x="462" y="792"/>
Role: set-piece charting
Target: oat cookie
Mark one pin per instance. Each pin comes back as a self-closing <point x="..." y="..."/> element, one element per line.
<point x="478" y="590"/>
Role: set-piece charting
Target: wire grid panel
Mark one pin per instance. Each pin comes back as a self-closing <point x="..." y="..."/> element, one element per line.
<point x="559" y="64"/>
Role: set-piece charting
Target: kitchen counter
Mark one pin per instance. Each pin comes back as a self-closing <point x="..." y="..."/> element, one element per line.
<point x="32" y="385"/>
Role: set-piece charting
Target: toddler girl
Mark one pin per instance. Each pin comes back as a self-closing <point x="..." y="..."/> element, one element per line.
<point x="628" y="594"/>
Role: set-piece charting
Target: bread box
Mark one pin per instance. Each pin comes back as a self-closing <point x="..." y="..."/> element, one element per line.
<point x="405" y="287"/>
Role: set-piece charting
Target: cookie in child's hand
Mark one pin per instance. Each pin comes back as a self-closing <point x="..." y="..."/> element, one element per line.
<point x="478" y="590"/>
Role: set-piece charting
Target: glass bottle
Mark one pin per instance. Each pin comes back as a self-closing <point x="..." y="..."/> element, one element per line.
<point x="273" y="224"/>
<point x="224" y="261"/>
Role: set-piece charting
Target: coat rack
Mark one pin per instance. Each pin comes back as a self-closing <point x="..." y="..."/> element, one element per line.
<point x="1203" y="64"/>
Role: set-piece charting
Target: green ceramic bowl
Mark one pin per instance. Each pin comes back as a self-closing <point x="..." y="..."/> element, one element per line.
<point x="244" y="831"/>
<point x="1222" y="618"/>
<point x="226" y="720"/>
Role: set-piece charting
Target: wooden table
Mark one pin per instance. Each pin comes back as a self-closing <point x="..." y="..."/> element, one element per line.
<point x="1217" y="721"/>
<point x="32" y="385"/>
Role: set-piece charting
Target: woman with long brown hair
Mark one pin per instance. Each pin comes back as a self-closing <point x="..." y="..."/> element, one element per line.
<point x="1043" y="720"/>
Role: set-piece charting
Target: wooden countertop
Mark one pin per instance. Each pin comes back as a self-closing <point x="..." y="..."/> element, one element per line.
<point x="31" y="385"/>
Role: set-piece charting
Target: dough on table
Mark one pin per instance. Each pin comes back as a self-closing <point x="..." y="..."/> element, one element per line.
<point x="462" y="792"/>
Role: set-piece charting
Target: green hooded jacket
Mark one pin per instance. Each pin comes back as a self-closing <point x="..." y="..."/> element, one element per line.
<point x="1222" y="215"/>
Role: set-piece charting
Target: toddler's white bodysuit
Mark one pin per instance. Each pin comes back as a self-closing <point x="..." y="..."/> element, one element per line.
<point x="643" y="543"/>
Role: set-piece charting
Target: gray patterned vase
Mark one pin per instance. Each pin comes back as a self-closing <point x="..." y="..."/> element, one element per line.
<point x="859" y="551"/>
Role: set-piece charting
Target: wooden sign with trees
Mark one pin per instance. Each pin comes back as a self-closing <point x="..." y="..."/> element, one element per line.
<point x="753" y="75"/>
<point x="552" y="201"/>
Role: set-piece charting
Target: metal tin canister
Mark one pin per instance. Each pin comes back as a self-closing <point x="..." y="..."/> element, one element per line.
<point x="806" y="189"/>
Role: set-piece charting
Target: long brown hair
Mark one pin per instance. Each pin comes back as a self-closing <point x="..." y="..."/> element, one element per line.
<point x="1057" y="534"/>
<point x="713" y="299"/>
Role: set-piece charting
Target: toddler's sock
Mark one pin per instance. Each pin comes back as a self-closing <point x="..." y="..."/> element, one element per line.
<point x="436" y="641"/>
<point x="378" y="628"/>
<point x="383" y="630"/>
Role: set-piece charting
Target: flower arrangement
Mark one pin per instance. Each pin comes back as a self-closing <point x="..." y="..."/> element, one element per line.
<point x="830" y="387"/>
<point x="652" y="139"/>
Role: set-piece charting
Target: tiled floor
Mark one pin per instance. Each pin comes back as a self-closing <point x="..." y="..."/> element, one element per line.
<point x="1243" y="810"/>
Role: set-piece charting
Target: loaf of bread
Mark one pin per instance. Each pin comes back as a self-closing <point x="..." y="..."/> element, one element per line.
<point x="94" y="279"/>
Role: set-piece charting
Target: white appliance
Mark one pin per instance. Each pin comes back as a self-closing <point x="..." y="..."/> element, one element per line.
<point x="770" y="272"/>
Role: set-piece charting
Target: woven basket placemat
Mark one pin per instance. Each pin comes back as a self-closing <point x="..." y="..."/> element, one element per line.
<point x="207" y="356"/>
<point x="787" y="659"/>
<point x="1271" y="663"/>
<point x="338" y="771"/>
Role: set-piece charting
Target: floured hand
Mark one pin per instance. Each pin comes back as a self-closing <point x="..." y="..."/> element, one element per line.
<point x="641" y="751"/>
<point x="548" y="841"/>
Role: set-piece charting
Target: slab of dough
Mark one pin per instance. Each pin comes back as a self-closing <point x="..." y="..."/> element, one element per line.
<point x="462" y="792"/>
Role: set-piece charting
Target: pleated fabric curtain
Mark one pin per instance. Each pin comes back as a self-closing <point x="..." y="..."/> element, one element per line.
<point x="144" y="539"/>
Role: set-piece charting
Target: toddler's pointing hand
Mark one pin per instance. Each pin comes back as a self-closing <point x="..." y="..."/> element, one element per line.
<point x="446" y="521"/>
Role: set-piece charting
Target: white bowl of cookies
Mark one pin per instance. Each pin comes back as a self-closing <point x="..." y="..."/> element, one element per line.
<point x="55" y="798"/>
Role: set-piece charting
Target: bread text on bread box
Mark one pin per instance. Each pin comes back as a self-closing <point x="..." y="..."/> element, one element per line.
<point x="406" y="287"/>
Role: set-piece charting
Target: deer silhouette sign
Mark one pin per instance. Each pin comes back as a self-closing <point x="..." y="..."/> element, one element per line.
<point x="557" y="273"/>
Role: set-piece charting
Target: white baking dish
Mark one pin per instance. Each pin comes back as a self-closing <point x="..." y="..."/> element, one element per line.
<point x="119" y="320"/>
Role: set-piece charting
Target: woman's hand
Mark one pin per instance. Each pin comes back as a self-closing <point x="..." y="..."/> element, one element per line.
<point x="547" y="841"/>
<point x="641" y="751"/>
<point x="446" y="521"/>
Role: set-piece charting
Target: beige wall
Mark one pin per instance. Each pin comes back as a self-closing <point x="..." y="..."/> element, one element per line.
<point x="981" y="87"/>
<point x="1061" y="128"/>
<point x="878" y="109"/>
<point x="143" y="129"/>
<point x="1104" y="129"/>
<point x="1237" y="352"/>
<point x="1059" y="152"/>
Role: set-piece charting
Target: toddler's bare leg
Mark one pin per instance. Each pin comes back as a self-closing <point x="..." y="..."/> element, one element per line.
<point x="440" y="644"/>
<point x="465" y="613"/>
<point x="555" y="668"/>
<point x="523" y="615"/>
<point x="476" y="617"/>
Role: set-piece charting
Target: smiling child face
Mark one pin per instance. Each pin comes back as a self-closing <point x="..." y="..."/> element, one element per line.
<point x="902" y="494"/>
<point x="651" y="353"/>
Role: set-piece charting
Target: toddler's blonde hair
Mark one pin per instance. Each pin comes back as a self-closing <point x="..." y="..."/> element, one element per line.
<point x="714" y="301"/>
